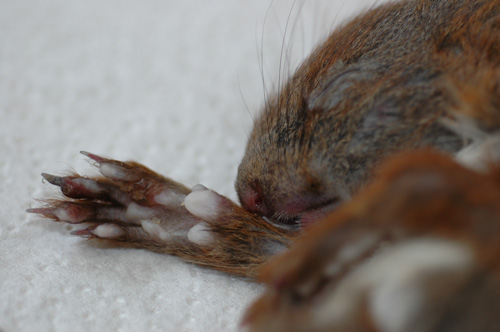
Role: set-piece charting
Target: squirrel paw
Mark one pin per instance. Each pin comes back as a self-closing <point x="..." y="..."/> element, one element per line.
<point x="130" y="205"/>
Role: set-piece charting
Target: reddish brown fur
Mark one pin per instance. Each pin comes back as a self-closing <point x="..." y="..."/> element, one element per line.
<point x="416" y="194"/>
<point x="406" y="76"/>
<point x="382" y="83"/>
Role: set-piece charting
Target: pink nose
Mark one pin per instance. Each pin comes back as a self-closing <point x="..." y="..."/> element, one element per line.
<point x="252" y="200"/>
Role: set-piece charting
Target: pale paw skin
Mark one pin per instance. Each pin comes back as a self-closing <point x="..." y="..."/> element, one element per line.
<point x="130" y="205"/>
<point x="118" y="204"/>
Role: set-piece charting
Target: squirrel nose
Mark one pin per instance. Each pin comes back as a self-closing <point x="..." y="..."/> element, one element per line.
<point x="252" y="200"/>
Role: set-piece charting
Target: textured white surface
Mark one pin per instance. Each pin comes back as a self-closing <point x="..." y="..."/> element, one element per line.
<point x="154" y="81"/>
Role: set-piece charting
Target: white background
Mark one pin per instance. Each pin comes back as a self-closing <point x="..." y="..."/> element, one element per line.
<point x="160" y="82"/>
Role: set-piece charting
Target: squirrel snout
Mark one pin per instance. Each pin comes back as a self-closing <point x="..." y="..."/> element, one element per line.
<point x="252" y="199"/>
<point x="301" y="208"/>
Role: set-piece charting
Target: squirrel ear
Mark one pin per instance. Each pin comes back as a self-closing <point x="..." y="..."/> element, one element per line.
<point x="381" y="123"/>
<point x="349" y="94"/>
<point x="343" y="82"/>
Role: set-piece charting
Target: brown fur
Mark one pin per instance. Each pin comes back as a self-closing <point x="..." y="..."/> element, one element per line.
<point x="380" y="84"/>
<point x="408" y="75"/>
<point x="418" y="194"/>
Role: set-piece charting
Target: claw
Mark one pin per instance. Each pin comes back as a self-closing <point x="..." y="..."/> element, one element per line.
<point x="93" y="156"/>
<point x="66" y="212"/>
<point x="86" y="232"/>
<point x="75" y="186"/>
<point x="46" y="212"/>
<point x="112" y="169"/>
<point x="53" y="179"/>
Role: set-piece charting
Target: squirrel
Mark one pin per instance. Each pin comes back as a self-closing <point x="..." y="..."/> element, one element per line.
<point x="356" y="209"/>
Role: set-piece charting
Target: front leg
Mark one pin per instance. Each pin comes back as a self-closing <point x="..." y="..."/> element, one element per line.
<point x="130" y="205"/>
